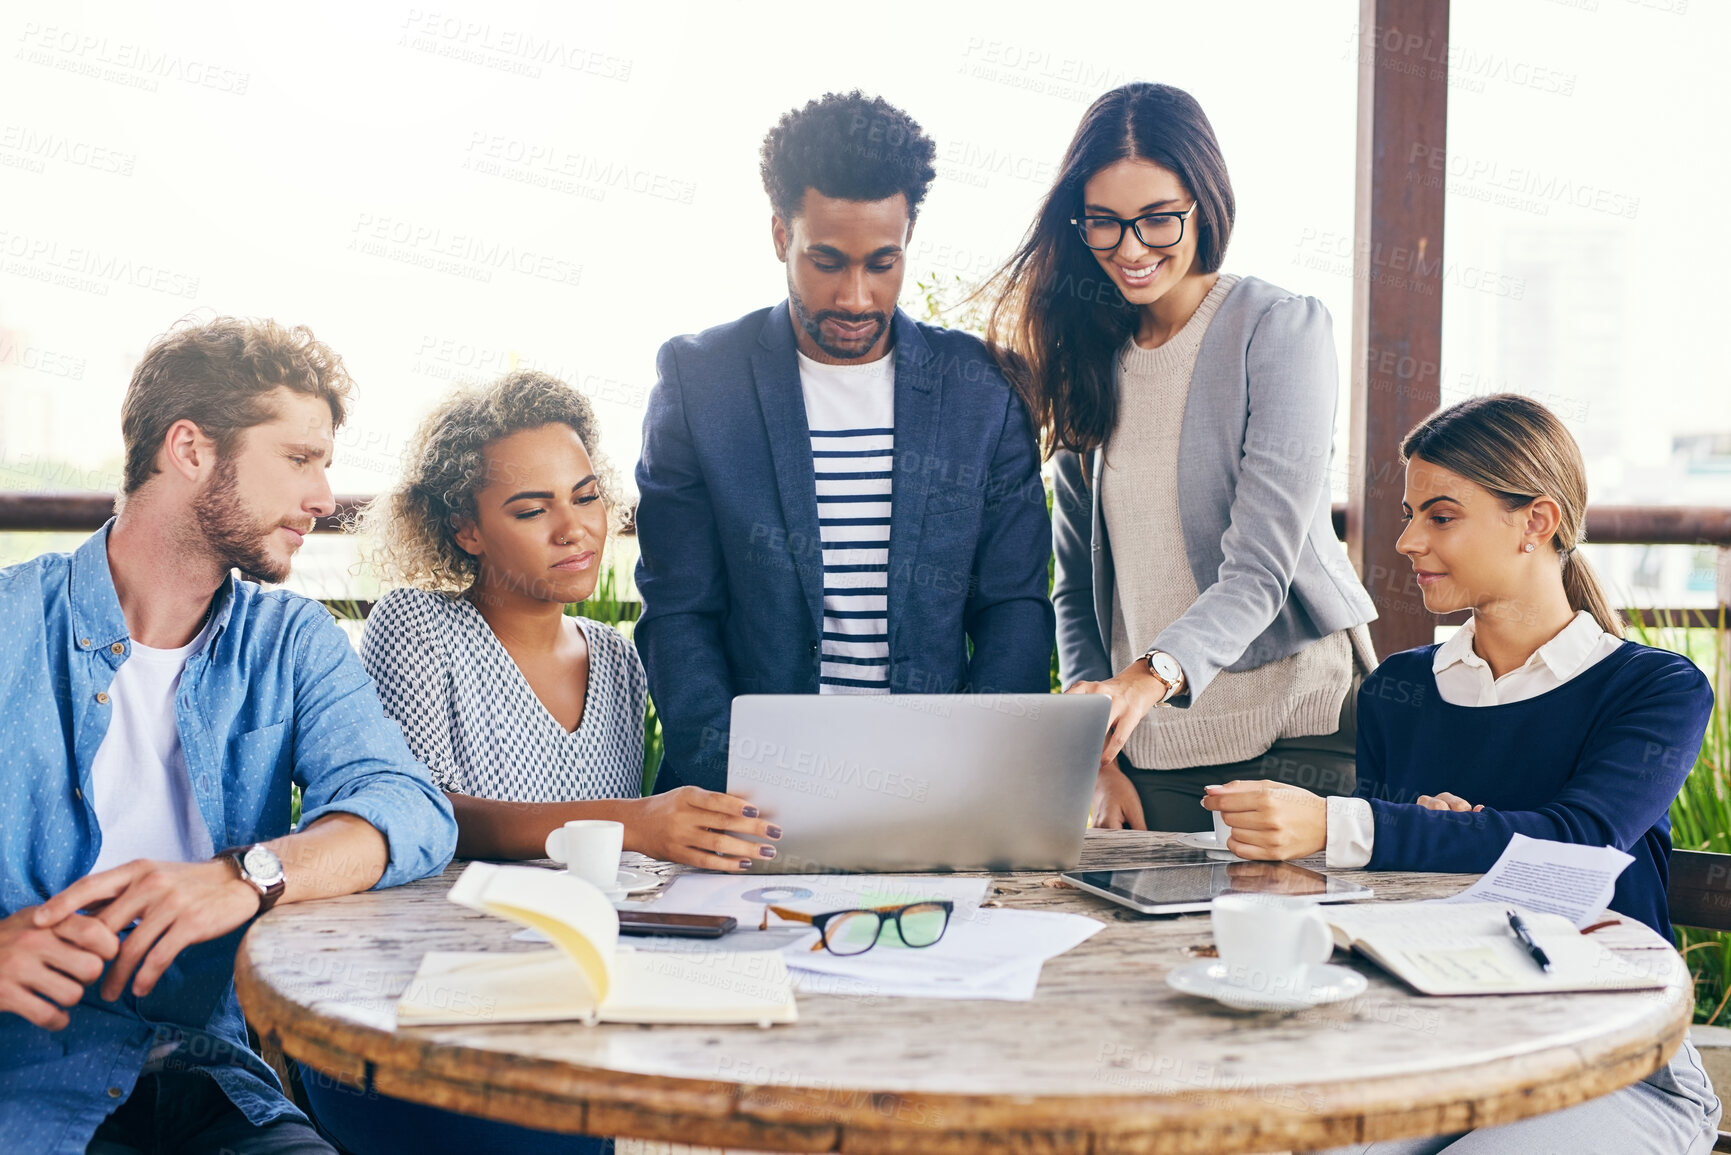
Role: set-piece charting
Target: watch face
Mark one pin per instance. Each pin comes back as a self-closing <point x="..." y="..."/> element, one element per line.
<point x="1166" y="666"/>
<point x="262" y="864"/>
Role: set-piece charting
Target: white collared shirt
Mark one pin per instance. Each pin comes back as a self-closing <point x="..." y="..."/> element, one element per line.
<point x="1464" y="679"/>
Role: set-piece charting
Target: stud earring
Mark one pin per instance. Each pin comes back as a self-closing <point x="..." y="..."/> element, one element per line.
<point x="1528" y="548"/>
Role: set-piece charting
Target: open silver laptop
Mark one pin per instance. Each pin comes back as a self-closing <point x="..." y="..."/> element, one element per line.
<point x="917" y="782"/>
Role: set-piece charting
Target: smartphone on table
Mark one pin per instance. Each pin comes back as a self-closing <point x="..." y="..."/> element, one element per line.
<point x="677" y="925"/>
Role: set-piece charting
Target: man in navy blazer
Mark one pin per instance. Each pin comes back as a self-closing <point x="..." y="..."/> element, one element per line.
<point x="834" y="497"/>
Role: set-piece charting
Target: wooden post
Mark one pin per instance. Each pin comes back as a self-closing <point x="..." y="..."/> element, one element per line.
<point x="1722" y="584"/>
<point x="1397" y="290"/>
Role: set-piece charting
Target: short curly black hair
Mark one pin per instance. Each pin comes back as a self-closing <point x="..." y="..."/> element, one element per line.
<point x="846" y="145"/>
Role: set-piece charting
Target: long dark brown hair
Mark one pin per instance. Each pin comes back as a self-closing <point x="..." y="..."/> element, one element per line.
<point x="1519" y="450"/>
<point x="1058" y="319"/>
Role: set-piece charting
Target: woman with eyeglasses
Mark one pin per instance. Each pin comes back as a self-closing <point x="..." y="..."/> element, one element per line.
<point x="1190" y="413"/>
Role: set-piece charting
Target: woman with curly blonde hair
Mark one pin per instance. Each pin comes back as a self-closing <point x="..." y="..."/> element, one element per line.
<point x="527" y="718"/>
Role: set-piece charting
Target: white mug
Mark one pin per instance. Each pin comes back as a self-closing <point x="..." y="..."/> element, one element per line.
<point x="1221" y="831"/>
<point x="590" y="849"/>
<point x="1268" y="942"/>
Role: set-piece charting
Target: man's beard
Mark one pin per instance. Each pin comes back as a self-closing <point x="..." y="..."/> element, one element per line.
<point x="812" y="323"/>
<point x="231" y="534"/>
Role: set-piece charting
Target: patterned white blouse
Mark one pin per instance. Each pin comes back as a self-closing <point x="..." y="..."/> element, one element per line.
<point x="470" y="715"/>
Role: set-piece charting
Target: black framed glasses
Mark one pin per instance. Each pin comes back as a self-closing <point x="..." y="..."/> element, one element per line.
<point x="846" y="932"/>
<point x="1155" y="230"/>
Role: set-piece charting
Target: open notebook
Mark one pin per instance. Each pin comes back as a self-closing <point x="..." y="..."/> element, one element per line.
<point x="1468" y="949"/>
<point x="589" y="976"/>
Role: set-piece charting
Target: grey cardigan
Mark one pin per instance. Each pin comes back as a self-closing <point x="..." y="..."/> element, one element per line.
<point x="1254" y="453"/>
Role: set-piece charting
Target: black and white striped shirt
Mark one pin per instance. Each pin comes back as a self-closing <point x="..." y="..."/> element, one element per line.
<point x="850" y="410"/>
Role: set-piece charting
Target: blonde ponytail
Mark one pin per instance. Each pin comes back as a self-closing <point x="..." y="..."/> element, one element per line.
<point x="1518" y="450"/>
<point x="1581" y="586"/>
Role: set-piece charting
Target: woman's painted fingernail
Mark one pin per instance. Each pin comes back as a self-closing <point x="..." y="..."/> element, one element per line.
<point x="745" y="864"/>
<point x="773" y="831"/>
<point x="766" y="851"/>
<point x="750" y="812"/>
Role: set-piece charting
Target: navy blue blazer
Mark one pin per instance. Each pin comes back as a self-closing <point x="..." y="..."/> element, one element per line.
<point x="731" y="572"/>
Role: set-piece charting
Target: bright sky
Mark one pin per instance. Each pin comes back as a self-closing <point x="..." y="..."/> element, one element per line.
<point x="443" y="191"/>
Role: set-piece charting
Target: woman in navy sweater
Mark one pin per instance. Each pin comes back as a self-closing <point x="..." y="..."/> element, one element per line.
<point x="1536" y="717"/>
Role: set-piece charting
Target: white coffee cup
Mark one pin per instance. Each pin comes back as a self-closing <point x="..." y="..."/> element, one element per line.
<point x="590" y="849"/>
<point x="1269" y="942"/>
<point x="1221" y="831"/>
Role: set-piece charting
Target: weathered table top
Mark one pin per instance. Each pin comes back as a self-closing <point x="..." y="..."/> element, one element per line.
<point x="1106" y="1058"/>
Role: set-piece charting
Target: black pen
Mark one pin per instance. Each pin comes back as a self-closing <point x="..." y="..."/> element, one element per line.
<point x="1526" y="937"/>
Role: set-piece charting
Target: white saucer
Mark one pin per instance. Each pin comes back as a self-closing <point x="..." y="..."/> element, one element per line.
<point x="1327" y="984"/>
<point x="1204" y="840"/>
<point x="631" y="882"/>
<point x="635" y="880"/>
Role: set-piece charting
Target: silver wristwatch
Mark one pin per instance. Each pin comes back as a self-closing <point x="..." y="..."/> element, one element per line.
<point x="1165" y="667"/>
<point x="260" y="868"/>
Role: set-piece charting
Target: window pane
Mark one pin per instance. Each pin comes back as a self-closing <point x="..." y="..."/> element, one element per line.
<point x="445" y="197"/>
<point x="1587" y="157"/>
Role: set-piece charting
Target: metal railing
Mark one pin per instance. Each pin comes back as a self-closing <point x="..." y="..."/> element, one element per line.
<point x="1606" y="524"/>
<point x="1698" y="525"/>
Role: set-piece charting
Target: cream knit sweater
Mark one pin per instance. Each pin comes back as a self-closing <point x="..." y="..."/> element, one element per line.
<point x="1240" y="714"/>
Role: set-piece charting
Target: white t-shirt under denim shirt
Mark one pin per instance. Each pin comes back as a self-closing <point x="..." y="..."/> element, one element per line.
<point x="139" y="784"/>
<point x="1464" y="679"/>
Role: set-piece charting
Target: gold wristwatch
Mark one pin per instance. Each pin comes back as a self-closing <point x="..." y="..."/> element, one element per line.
<point x="1165" y="667"/>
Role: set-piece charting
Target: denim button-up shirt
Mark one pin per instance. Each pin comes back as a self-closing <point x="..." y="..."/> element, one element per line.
<point x="275" y="694"/>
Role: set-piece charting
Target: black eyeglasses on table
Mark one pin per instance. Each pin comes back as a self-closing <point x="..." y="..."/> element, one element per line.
<point x="847" y="932"/>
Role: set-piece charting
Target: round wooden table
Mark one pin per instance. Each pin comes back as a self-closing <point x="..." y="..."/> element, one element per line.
<point x="1106" y="1058"/>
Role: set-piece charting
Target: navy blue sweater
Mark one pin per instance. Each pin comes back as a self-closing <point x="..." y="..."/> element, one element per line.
<point x="1595" y="761"/>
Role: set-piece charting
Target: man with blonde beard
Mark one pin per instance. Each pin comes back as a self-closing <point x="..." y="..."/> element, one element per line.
<point x="156" y="709"/>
